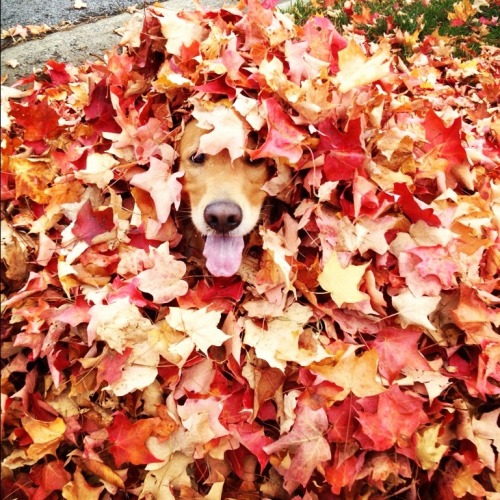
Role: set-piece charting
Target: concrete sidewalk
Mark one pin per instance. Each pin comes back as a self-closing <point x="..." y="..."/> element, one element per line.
<point x="76" y="44"/>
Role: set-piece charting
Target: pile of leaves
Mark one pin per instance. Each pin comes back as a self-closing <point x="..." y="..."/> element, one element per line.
<point x="355" y="354"/>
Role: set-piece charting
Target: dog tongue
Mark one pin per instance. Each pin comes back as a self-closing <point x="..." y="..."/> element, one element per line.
<point x="223" y="254"/>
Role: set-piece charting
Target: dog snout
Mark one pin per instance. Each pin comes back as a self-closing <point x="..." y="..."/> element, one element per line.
<point x="223" y="216"/>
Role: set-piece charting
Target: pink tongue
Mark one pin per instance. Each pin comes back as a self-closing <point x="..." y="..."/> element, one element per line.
<point x="223" y="254"/>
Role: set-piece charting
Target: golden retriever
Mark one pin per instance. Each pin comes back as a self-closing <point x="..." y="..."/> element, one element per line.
<point x="225" y="199"/>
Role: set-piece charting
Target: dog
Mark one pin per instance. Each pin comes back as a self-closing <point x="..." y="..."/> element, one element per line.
<point x="225" y="198"/>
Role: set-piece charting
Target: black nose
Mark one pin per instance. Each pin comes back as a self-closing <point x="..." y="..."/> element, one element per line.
<point x="223" y="216"/>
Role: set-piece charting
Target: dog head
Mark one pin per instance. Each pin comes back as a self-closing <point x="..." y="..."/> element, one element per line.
<point x="225" y="197"/>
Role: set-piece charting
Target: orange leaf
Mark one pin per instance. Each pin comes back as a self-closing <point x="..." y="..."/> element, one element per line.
<point x="32" y="178"/>
<point x="129" y="440"/>
<point x="354" y="374"/>
<point x="103" y="472"/>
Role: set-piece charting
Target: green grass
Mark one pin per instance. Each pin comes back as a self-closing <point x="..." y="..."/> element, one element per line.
<point x="386" y="17"/>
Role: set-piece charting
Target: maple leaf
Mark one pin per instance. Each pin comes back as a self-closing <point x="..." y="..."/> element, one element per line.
<point x="129" y="440"/>
<point x="283" y="137"/>
<point x="179" y="30"/>
<point x="342" y="418"/>
<point x="163" y="186"/>
<point x="356" y="69"/>
<point x="354" y="374"/>
<point x="201" y="419"/>
<point x="428" y="270"/>
<point x="342" y="474"/>
<point x="434" y="382"/>
<point x="39" y="119"/>
<point x="280" y="342"/>
<point x="75" y="313"/>
<point x="464" y="481"/>
<point x="161" y="481"/>
<point x="90" y="223"/>
<point x="343" y="281"/>
<point x="397" y="417"/>
<point x="119" y="324"/>
<point x="79" y="487"/>
<point x="163" y="279"/>
<point x="33" y="178"/>
<point x="122" y="327"/>
<point x="445" y="139"/>
<point x="200" y="325"/>
<point x="429" y="450"/>
<point x="252" y="437"/>
<point x="344" y="151"/>
<point x="415" y="209"/>
<point x="227" y="130"/>
<point x="307" y="444"/>
<point x="46" y="436"/>
<point x="102" y="471"/>
<point x="111" y="365"/>
<point x="398" y="350"/>
<point x="49" y="477"/>
<point x="485" y="436"/>
<point x="415" y="310"/>
<point x="98" y="169"/>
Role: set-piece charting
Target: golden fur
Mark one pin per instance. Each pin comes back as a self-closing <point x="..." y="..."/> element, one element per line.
<point x="217" y="179"/>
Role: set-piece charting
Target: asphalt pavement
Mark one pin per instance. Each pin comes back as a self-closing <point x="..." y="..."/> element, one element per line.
<point x="76" y="34"/>
<point x="61" y="12"/>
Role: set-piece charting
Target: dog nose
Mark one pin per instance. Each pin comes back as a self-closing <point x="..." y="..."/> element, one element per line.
<point x="223" y="216"/>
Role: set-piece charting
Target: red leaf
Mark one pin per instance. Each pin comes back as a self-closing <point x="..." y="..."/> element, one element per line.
<point x="50" y="477"/>
<point x="129" y="440"/>
<point x="414" y="209"/>
<point x="111" y="366"/>
<point x="90" y="223"/>
<point x="283" y="138"/>
<point x="57" y="72"/>
<point x="398" y="349"/>
<point x="343" y="474"/>
<point x="445" y="139"/>
<point x="39" y="119"/>
<point x="306" y="443"/>
<point x="344" y="151"/>
<point x="76" y="313"/>
<point x="252" y="437"/>
<point x="343" y="420"/>
<point x="397" y="417"/>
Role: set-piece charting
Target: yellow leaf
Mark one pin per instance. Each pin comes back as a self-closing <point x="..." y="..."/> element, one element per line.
<point x="284" y="339"/>
<point x="46" y="436"/>
<point x="429" y="450"/>
<point x="43" y="432"/>
<point x="102" y="471"/>
<point x="464" y="481"/>
<point x="32" y="178"/>
<point x="462" y="11"/>
<point x="354" y="374"/>
<point x="356" y="69"/>
<point x="343" y="283"/>
<point x="79" y="488"/>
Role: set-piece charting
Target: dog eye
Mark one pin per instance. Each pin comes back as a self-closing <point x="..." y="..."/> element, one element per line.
<point x="198" y="158"/>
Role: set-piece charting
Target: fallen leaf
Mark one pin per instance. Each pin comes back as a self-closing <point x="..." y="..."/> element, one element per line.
<point x="129" y="440"/>
<point x="353" y="374"/>
<point x="343" y="282"/>
<point x="307" y="444"/>
<point x="357" y="69"/>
